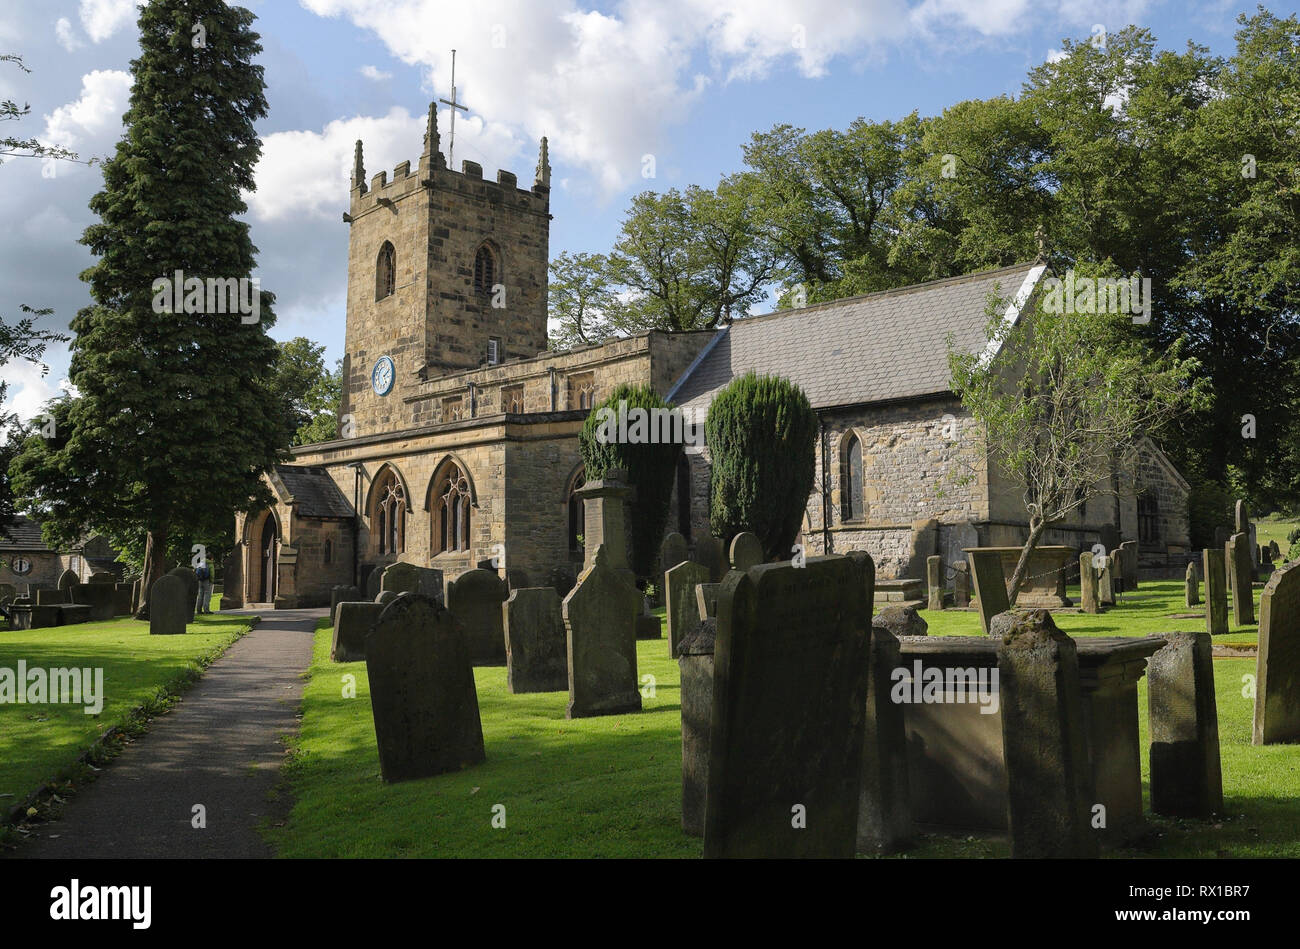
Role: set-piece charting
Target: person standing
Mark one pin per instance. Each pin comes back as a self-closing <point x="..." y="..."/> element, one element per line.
<point x="204" y="600"/>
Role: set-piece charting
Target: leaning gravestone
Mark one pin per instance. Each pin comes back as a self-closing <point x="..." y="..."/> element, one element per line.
<point x="990" y="584"/>
<point x="1277" y="664"/>
<point x="352" y="622"/>
<point x="746" y="551"/>
<point x="191" y="581"/>
<point x="1191" y="587"/>
<point x="1216" y="596"/>
<point x="422" y="691"/>
<point x="408" y="578"/>
<point x="679" y="598"/>
<point x="475" y="599"/>
<point x="536" y="651"/>
<point x="706" y="599"/>
<point x="600" y="625"/>
<point x="1045" y="745"/>
<point x="1243" y="578"/>
<point x="167" y="606"/>
<point x="1089" y="598"/>
<point x="1186" y="779"/>
<point x="710" y="553"/>
<point x="673" y="552"/>
<point x="342" y="594"/>
<point x="789" y="693"/>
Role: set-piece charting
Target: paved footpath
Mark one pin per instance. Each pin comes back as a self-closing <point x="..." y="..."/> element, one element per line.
<point x="220" y="746"/>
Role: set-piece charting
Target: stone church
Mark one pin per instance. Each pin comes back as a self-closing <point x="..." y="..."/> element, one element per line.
<point x="460" y="428"/>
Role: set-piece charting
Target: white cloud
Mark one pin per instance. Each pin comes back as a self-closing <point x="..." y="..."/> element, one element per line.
<point x="63" y="33"/>
<point x="29" y="389"/>
<point x="375" y="74"/>
<point x="102" y="18"/>
<point x="95" y="117"/>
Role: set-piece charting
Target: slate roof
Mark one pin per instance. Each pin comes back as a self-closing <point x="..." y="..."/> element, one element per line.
<point x="26" y="534"/>
<point x="314" y="490"/>
<point x="873" y="348"/>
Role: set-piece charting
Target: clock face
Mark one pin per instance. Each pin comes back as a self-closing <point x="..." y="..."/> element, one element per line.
<point x="381" y="377"/>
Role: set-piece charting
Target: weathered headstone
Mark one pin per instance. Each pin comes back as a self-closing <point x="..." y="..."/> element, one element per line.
<point x="682" y="610"/>
<point x="1229" y="561"/>
<point x="885" y="803"/>
<point x="97" y="596"/>
<point x="934" y="582"/>
<point x="1221" y="535"/>
<point x="1241" y="517"/>
<point x="1275" y="550"/>
<point x="1266" y="556"/>
<point x="1116" y="569"/>
<point x="1186" y="780"/>
<point x="536" y="651"/>
<point x="52" y="597"/>
<point x="1130" y="548"/>
<point x="352" y="622"/>
<point x="191" y="581"/>
<point x="408" y="578"/>
<point x="1216" y="596"/>
<point x="710" y="553"/>
<point x="696" y="664"/>
<point x="789" y="693"/>
<point x="342" y="594"/>
<point x="648" y="626"/>
<point x="475" y="599"/>
<point x="372" y="581"/>
<point x="169" y="605"/>
<point x="122" y="599"/>
<point x="746" y="551"/>
<point x="706" y="600"/>
<point x="1243" y="578"/>
<point x="600" y="625"/>
<point x="961" y="584"/>
<point x="1089" y="599"/>
<point x="386" y="596"/>
<point x="422" y="691"/>
<point x="1044" y="740"/>
<point x="1277" y="664"/>
<point x="605" y="521"/>
<point x="1192" y="586"/>
<point x="673" y="552"/>
<point x="990" y="584"/>
<point x="232" y="582"/>
<point x="900" y="621"/>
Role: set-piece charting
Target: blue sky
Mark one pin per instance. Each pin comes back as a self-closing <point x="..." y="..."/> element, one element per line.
<point x="686" y="81"/>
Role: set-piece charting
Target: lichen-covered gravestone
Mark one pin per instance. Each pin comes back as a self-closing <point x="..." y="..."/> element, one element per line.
<point x="342" y="594"/>
<point x="169" y="605"/>
<point x="475" y="598"/>
<point x="746" y="551"/>
<point x="673" y="552"/>
<point x="536" y="650"/>
<point x="1192" y="587"/>
<point x="422" y="691"/>
<point x="1186" y="780"/>
<point x="1243" y="573"/>
<point x="600" y="623"/>
<point x="1106" y="583"/>
<point x="191" y="581"/>
<point x="352" y="622"/>
<point x="1216" y="596"/>
<point x="990" y="584"/>
<point x="696" y="664"/>
<point x="1277" y="665"/>
<point x="934" y="583"/>
<point x="1089" y="600"/>
<point x="408" y="578"/>
<point x="789" y="693"/>
<point x="682" y="612"/>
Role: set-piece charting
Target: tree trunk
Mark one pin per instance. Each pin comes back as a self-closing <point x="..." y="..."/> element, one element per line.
<point x="155" y="565"/>
<point x="1036" y="528"/>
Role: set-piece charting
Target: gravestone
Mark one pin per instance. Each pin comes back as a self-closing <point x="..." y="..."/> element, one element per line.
<point x="1192" y="587"/>
<point x="168" y="608"/>
<point x="605" y="521"/>
<point x="790" y="684"/>
<point x="386" y="596"/>
<point x="885" y="802"/>
<point x="562" y="579"/>
<point x="1044" y="742"/>
<point x="1243" y="578"/>
<point x="536" y="651"/>
<point x="706" y="600"/>
<point x="1277" y="664"/>
<point x="352" y="622"/>
<point x="232" y="582"/>
<point x="1116" y="569"/>
<point x="372" y="581"/>
<point x="342" y="594"/>
<point x="1241" y="517"/>
<point x="1089" y="599"/>
<point x="710" y="553"/>
<point x="1266" y="556"/>
<point x="122" y="598"/>
<point x="990" y="584"/>
<point x="1229" y="561"/>
<point x="1130" y="549"/>
<point x="746" y="551"/>
<point x="673" y="552"/>
<point x="696" y="664"/>
<point x="67" y="580"/>
<point x="191" y="581"/>
<point x="1221" y="535"/>
<point x="600" y="625"/>
<point x="679" y="598"/>
<point x="961" y="584"/>
<point x="1216" y="594"/>
<point x="422" y="691"/>
<point x="97" y="596"/>
<point x="1186" y="780"/>
<point x="648" y="625"/>
<point x="900" y="621"/>
<point x="1275" y="550"/>
<point x="934" y="582"/>
<point x="51" y="597"/>
<point x="475" y="599"/>
<point x="408" y="578"/>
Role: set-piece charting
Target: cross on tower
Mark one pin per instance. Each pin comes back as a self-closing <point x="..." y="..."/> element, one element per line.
<point x="451" y="146"/>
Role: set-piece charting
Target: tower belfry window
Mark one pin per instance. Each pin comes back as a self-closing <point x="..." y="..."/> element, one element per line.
<point x="385" y="272"/>
<point x="485" y="269"/>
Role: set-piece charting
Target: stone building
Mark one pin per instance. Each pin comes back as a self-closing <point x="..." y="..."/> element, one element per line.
<point x="26" y="561"/>
<point x="459" y="429"/>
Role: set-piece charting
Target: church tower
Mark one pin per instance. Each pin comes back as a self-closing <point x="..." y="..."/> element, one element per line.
<point x="446" y="272"/>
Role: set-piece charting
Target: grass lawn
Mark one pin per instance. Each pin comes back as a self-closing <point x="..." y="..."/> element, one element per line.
<point x="1275" y="527"/>
<point x="41" y="743"/>
<point x="611" y="787"/>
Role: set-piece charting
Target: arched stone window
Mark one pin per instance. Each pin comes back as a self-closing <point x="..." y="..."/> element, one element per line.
<point x="329" y="551"/>
<point x="852" y="507"/>
<point x="486" y="270"/>
<point x="574" y="509"/>
<point x="388" y="517"/>
<point x="450" y="502"/>
<point x="385" y="271"/>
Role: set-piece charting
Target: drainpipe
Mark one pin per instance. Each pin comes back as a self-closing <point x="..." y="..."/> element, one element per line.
<point x="356" y="523"/>
<point x="826" y="522"/>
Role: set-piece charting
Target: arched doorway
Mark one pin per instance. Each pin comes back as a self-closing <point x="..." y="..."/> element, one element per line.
<point x="268" y="548"/>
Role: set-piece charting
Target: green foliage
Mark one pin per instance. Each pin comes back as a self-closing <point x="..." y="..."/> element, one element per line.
<point x="309" y="394"/>
<point x="650" y="467"/>
<point x="13" y="147"/>
<point x="761" y="432"/>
